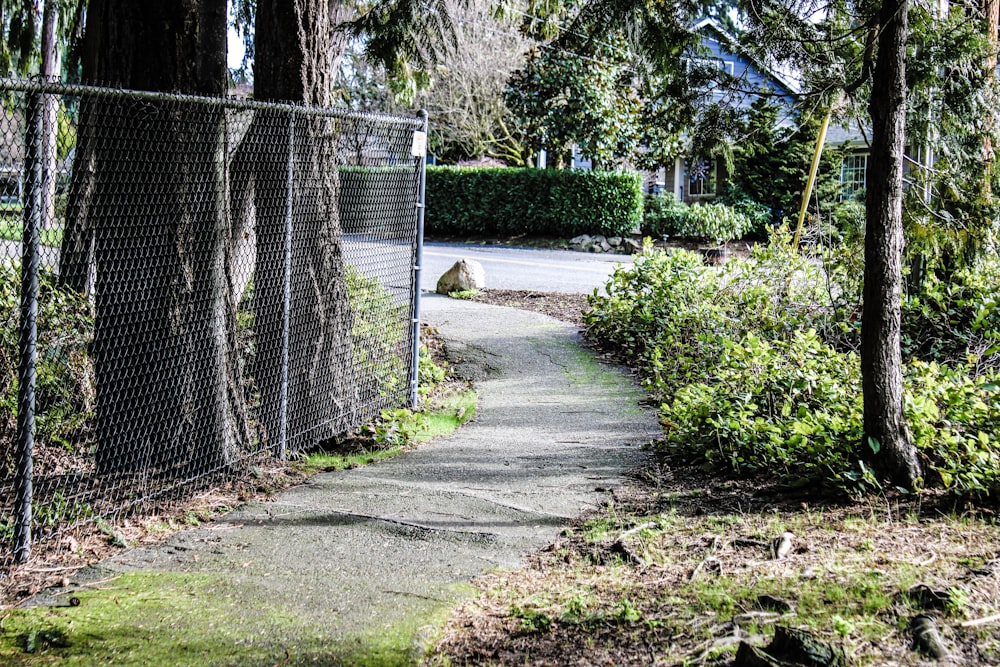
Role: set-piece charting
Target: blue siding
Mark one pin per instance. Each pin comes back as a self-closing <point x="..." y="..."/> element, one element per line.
<point x="747" y="72"/>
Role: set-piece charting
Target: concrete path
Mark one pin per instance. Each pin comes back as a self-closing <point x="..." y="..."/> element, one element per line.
<point x="358" y="567"/>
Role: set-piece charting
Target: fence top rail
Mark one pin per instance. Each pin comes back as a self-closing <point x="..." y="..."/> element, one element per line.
<point x="39" y="85"/>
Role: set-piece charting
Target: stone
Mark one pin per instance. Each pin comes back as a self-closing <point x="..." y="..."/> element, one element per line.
<point x="605" y="246"/>
<point x="581" y="240"/>
<point x="614" y="241"/>
<point x="599" y="240"/>
<point x="464" y="275"/>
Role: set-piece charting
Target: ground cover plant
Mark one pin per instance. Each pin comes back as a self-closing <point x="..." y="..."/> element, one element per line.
<point x="754" y="365"/>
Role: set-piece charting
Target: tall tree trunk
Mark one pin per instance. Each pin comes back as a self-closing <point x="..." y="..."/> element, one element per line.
<point x="991" y="16"/>
<point x="50" y="113"/>
<point x="76" y="256"/>
<point x="296" y="58"/>
<point x="168" y="393"/>
<point x="888" y="443"/>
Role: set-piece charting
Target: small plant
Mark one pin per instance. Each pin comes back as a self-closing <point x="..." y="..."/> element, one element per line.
<point x="397" y="428"/>
<point x="532" y="621"/>
<point x="627" y="612"/>
<point x="464" y="294"/>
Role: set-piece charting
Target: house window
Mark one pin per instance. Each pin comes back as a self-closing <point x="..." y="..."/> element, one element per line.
<point x="701" y="177"/>
<point x="852" y="175"/>
<point x="705" y="68"/>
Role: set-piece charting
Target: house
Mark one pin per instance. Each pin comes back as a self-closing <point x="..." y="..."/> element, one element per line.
<point x="694" y="178"/>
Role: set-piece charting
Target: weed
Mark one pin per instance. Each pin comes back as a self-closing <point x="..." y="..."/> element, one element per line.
<point x="532" y="621"/>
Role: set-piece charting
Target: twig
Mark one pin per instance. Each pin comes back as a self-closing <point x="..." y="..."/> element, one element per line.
<point x="44" y="570"/>
<point x="638" y="529"/>
<point x="981" y="621"/>
<point x="931" y="557"/>
<point x="711" y="560"/>
<point x="94" y="584"/>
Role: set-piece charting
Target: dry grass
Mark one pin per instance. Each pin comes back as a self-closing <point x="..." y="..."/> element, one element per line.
<point x="686" y="589"/>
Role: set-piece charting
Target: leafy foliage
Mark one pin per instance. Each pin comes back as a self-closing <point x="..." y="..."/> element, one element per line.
<point x="560" y="98"/>
<point x="378" y="334"/>
<point x="531" y="201"/>
<point x="754" y="368"/>
<point x="65" y="394"/>
<point x="666" y="216"/>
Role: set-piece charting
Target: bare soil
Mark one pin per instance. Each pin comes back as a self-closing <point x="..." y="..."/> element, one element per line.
<point x="679" y="568"/>
<point x="565" y="307"/>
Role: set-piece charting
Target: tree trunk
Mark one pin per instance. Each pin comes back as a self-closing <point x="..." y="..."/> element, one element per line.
<point x="297" y="52"/>
<point x="991" y="15"/>
<point x="887" y="442"/>
<point x="76" y="256"/>
<point x="168" y="393"/>
<point x="50" y="113"/>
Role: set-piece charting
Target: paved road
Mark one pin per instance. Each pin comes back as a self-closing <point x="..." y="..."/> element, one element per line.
<point x="523" y="268"/>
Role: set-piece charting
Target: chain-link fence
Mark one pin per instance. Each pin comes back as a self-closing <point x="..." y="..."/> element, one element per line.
<point x="188" y="285"/>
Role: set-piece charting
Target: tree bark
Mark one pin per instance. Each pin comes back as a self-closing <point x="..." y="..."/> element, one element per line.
<point x="887" y="440"/>
<point x="991" y="16"/>
<point x="168" y="392"/>
<point x="50" y="113"/>
<point x="297" y="52"/>
<point x="76" y="256"/>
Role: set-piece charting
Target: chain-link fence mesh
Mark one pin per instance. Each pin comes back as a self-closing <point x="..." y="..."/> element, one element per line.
<point x="188" y="285"/>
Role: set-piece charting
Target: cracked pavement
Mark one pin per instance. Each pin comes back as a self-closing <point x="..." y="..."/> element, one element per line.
<point x="356" y="553"/>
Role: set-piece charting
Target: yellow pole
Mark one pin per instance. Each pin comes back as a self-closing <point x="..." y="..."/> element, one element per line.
<point x="820" y="140"/>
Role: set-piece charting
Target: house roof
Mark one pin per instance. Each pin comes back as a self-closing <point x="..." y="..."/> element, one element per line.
<point x="731" y="44"/>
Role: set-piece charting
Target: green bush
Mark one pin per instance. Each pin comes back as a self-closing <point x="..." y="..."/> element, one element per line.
<point x="65" y="394"/>
<point x="672" y="315"/>
<point x="787" y="408"/>
<point x="378" y="338"/>
<point x="754" y="369"/>
<point x="377" y="200"/>
<point x="714" y="222"/>
<point x="540" y="202"/>
<point x="664" y="215"/>
<point x="955" y="321"/>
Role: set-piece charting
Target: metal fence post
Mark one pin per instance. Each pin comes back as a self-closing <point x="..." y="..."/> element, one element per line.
<point x="419" y="152"/>
<point x="28" y="335"/>
<point x="286" y="292"/>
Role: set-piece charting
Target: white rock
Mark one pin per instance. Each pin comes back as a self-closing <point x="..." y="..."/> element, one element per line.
<point x="466" y="274"/>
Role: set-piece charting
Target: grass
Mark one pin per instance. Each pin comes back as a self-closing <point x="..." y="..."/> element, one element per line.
<point x="442" y="415"/>
<point x="696" y="581"/>
<point x="12" y="229"/>
<point x="172" y="618"/>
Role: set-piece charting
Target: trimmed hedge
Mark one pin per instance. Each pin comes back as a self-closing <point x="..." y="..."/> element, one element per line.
<point x="377" y="200"/>
<point x="541" y="202"/>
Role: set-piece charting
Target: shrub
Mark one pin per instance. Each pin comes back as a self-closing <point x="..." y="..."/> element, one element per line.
<point x="542" y="202"/>
<point x="955" y="421"/>
<point x="754" y="368"/>
<point x="714" y="222"/>
<point x="666" y="216"/>
<point x="376" y="200"/>
<point x="662" y="214"/>
<point x="378" y="336"/>
<point x="956" y="321"/>
<point x="787" y="408"/>
<point x="65" y="394"/>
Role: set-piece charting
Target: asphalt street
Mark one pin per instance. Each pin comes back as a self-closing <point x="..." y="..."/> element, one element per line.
<point x="524" y="268"/>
